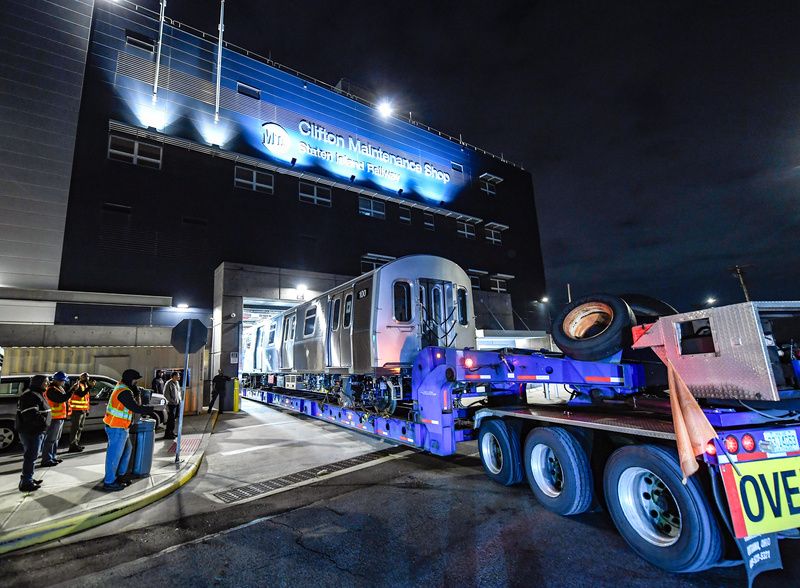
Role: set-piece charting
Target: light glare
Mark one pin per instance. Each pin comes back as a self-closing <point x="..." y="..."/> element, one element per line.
<point x="385" y="108"/>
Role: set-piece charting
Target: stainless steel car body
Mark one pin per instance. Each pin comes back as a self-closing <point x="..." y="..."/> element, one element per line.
<point x="362" y="327"/>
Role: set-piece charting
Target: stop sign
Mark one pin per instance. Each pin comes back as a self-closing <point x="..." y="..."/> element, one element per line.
<point x="189" y="335"/>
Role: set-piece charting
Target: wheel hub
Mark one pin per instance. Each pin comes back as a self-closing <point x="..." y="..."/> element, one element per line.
<point x="492" y="454"/>
<point x="649" y="506"/>
<point x="547" y="471"/>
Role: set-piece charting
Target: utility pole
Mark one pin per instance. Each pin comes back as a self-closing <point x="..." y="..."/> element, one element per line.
<point x="738" y="271"/>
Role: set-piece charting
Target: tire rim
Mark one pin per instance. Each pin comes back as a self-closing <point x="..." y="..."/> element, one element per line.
<point x="6" y="437"/>
<point x="491" y="453"/>
<point x="588" y="320"/>
<point x="649" y="506"/>
<point x="546" y="470"/>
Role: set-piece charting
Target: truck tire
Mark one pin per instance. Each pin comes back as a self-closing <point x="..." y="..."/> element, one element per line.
<point x="499" y="448"/>
<point x="558" y="470"/>
<point x="667" y="523"/>
<point x="594" y="327"/>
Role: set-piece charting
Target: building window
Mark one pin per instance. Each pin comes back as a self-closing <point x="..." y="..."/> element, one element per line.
<point x="466" y="230"/>
<point x="493" y="236"/>
<point x="140" y="41"/>
<point x="430" y="222"/>
<point x="315" y="194"/>
<point x="372" y="261"/>
<point x="488" y="183"/>
<point x="251" y="179"/>
<point x="369" y="207"/>
<point x="248" y="90"/>
<point x="310" y="322"/>
<point x="457" y="167"/>
<point x="405" y="215"/>
<point x="475" y="278"/>
<point x="402" y="302"/>
<point x="134" y="151"/>
<point x="498" y="284"/>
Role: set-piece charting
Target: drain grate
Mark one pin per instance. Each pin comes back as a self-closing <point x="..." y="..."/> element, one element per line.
<point x="258" y="488"/>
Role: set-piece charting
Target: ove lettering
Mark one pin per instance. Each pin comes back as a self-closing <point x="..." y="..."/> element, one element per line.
<point x="759" y="491"/>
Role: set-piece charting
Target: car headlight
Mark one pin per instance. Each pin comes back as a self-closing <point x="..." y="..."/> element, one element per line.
<point x="162" y="401"/>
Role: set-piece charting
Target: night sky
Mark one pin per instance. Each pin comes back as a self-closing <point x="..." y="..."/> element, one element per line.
<point x="663" y="137"/>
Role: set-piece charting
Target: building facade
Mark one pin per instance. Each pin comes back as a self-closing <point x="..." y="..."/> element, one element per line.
<point x="177" y="170"/>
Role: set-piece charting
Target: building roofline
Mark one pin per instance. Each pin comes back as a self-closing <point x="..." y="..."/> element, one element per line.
<point x="129" y="5"/>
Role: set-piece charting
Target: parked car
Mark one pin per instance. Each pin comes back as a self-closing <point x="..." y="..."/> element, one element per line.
<point x="12" y="386"/>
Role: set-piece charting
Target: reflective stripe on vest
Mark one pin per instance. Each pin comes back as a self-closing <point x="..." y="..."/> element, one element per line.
<point x="117" y="416"/>
<point x="59" y="410"/>
<point x="80" y="403"/>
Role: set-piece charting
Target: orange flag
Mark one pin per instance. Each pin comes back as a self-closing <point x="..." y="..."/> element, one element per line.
<point x="692" y="429"/>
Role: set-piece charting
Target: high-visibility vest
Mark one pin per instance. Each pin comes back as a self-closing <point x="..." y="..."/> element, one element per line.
<point x="80" y="403"/>
<point x="117" y="416"/>
<point x="58" y="410"/>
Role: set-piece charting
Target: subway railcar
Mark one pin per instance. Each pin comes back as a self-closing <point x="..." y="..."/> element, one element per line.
<point x="358" y="340"/>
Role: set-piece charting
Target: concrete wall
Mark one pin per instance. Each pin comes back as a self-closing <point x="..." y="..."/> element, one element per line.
<point x="44" y="46"/>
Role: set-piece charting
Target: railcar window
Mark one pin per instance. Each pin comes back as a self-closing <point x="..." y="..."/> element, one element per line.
<point x="292" y="324"/>
<point x="696" y="337"/>
<point x="337" y="304"/>
<point x="311" y="321"/>
<point x="436" y="311"/>
<point x="463" y="319"/>
<point x="348" y="310"/>
<point x="402" y="302"/>
<point x="271" y="338"/>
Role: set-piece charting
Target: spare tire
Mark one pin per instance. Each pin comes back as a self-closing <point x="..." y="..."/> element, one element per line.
<point x="594" y="327"/>
<point x="648" y="309"/>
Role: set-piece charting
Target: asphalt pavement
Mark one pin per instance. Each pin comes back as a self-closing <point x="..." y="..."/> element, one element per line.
<point x="283" y="500"/>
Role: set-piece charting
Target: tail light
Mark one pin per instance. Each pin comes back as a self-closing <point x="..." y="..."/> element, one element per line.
<point x="711" y="449"/>
<point x="731" y="444"/>
<point x="748" y="442"/>
<point x="468" y="362"/>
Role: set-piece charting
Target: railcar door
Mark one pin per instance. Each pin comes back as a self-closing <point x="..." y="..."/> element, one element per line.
<point x="332" y="346"/>
<point x="437" y="311"/>
<point x="287" y="343"/>
<point x="345" y="331"/>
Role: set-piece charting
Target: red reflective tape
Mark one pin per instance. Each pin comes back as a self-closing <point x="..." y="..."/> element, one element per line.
<point x="752" y="456"/>
<point x="472" y="377"/>
<point x="792" y="453"/>
<point x="734" y="502"/>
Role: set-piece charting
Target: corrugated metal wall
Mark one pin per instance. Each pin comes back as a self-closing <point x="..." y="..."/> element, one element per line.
<point x="44" y="46"/>
<point x="108" y="361"/>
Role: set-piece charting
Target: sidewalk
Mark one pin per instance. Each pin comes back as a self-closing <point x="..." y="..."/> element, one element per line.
<point x="70" y="499"/>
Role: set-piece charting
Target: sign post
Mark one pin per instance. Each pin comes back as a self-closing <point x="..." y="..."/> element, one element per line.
<point x="189" y="335"/>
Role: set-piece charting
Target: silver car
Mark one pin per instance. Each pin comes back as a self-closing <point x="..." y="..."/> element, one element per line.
<point x="12" y="386"/>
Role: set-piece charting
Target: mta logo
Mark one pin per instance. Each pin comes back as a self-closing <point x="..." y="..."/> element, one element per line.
<point x="275" y="138"/>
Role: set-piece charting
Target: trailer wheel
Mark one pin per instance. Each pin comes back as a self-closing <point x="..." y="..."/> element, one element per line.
<point x="594" y="327"/>
<point x="558" y="470"/>
<point x="499" y="448"/>
<point x="667" y="523"/>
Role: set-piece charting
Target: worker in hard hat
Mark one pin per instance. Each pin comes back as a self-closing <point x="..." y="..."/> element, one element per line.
<point x="79" y="406"/>
<point x="58" y="398"/>
<point x="119" y="415"/>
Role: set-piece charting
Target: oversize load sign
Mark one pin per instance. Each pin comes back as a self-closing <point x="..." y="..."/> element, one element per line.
<point x="764" y="496"/>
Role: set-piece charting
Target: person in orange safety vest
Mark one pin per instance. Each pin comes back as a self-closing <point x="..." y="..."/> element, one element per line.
<point x="119" y="415"/>
<point x="79" y="406"/>
<point x="58" y="400"/>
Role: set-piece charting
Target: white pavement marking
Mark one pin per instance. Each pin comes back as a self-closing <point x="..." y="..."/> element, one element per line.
<point x="235" y="429"/>
<point x="168" y="550"/>
<point x="172" y="548"/>
<point x="254" y="448"/>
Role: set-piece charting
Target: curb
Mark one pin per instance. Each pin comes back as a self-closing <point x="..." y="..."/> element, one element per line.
<point x="55" y="529"/>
